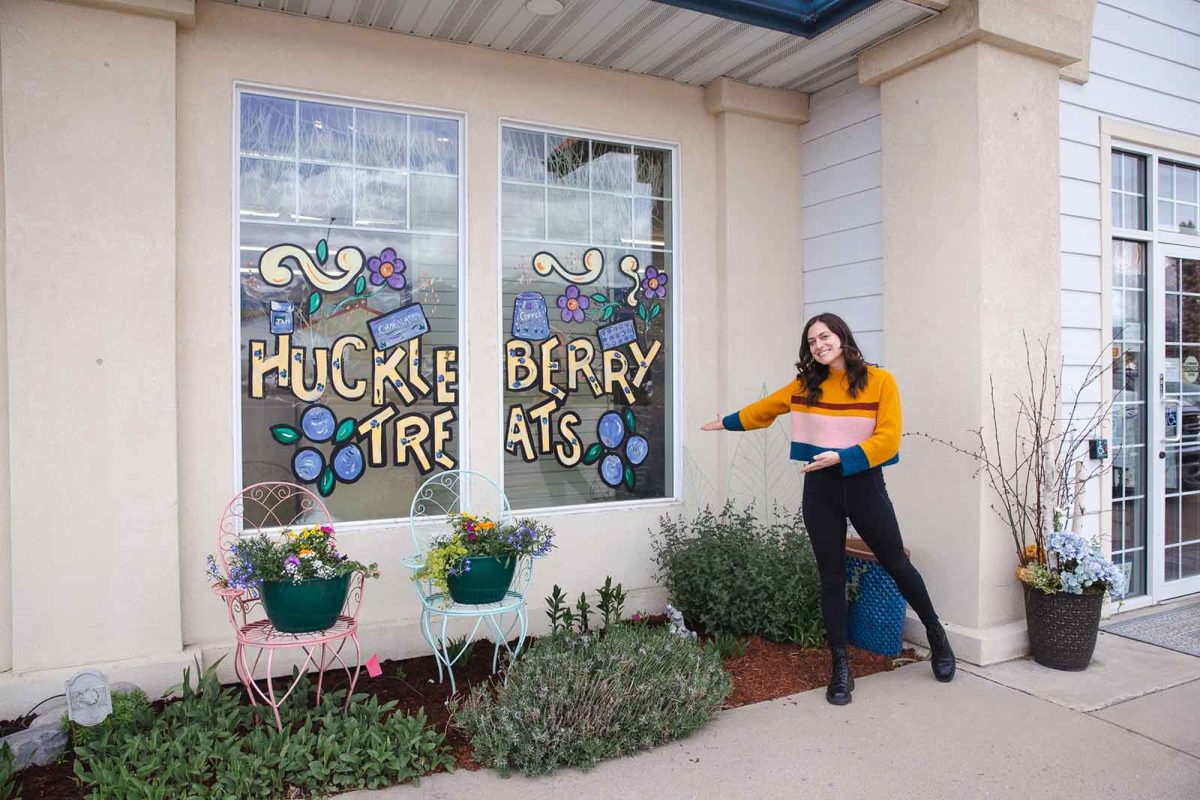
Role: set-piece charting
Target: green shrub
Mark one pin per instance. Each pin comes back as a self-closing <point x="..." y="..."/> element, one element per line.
<point x="128" y="708"/>
<point x="9" y="790"/>
<point x="208" y="744"/>
<point x="728" y="646"/>
<point x="736" y="574"/>
<point x="573" y="700"/>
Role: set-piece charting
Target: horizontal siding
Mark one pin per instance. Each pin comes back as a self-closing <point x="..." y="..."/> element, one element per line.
<point x="843" y="212"/>
<point x="1145" y="68"/>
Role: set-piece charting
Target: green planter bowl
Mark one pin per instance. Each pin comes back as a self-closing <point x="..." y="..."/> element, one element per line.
<point x="312" y="605"/>
<point x="487" y="581"/>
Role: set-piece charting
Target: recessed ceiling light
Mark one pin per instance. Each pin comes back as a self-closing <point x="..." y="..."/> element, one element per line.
<point x="544" y="8"/>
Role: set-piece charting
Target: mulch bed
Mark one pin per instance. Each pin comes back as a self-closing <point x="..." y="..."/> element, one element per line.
<point x="767" y="670"/>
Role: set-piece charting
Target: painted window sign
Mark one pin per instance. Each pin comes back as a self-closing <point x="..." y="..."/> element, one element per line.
<point x="348" y="242"/>
<point x="587" y="229"/>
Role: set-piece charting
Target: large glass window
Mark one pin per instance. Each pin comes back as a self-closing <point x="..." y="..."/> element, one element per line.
<point x="589" y="293"/>
<point x="348" y="240"/>
<point x="1178" y="200"/>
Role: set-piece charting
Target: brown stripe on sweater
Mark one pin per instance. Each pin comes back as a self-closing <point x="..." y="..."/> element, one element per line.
<point x="799" y="400"/>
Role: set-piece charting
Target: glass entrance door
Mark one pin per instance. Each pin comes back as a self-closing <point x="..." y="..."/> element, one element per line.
<point x="1175" y="433"/>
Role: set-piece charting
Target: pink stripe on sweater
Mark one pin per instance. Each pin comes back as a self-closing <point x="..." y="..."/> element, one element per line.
<point x="823" y="430"/>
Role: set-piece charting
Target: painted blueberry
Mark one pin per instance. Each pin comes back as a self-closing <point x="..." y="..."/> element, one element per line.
<point x="318" y="423"/>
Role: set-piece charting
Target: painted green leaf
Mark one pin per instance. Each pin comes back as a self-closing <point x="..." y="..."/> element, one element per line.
<point x="325" y="487"/>
<point x="629" y="477"/>
<point x="656" y="311"/>
<point x="345" y="430"/>
<point x="630" y="422"/>
<point x="593" y="453"/>
<point x="599" y="298"/>
<point x="608" y="312"/>
<point x="642" y="312"/>
<point x="314" y="302"/>
<point x="285" y="434"/>
<point x="360" y="285"/>
<point x="322" y="251"/>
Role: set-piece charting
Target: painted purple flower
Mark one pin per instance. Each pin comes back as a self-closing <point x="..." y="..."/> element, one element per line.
<point x="655" y="283"/>
<point x="387" y="267"/>
<point x="573" y="304"/>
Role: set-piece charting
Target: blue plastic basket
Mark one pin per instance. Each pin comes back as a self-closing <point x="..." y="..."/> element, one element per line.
<point x="875" y="620"/>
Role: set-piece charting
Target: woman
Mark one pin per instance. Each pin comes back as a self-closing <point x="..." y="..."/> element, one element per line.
<point x="846" y="426"/>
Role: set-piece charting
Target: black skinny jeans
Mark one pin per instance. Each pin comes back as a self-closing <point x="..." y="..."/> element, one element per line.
<point x="829" y="498"/>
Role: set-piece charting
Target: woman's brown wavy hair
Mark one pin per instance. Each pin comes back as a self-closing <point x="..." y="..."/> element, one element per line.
<point x="813" y="373"/>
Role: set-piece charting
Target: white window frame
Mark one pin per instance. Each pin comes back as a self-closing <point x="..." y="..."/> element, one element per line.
<point x="462" y="420"/>
<point x="677" y="281"/>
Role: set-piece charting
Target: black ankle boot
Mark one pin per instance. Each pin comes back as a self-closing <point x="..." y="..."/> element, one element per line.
<point x="841" y="682"/>
<point x="941" y="657"/>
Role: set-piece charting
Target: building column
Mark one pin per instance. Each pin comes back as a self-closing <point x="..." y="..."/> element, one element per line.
<point x="971" y="262"/>
<point x="760" y="277"/>
<point x="88" y="93"/>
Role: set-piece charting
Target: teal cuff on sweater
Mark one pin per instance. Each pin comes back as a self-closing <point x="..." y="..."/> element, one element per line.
<point x="733" y="422"/>
<point x="854" y="460"/>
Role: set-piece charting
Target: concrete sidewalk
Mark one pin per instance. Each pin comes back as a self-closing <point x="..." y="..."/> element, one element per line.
<point x="986" y="735"/>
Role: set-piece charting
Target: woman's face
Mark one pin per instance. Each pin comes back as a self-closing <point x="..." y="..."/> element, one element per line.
<point x="823" y="343"/>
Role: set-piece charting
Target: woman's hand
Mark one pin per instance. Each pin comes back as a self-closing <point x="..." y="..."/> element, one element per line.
<point x="715" y="425"/>
<point x="822" y="461"/>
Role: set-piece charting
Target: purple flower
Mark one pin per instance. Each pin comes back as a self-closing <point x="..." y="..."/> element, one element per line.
<point x="655" y="283"/>
<point x="387" y="267"/>
<point x="292" y="560"/>
<point x="572" y="304"/>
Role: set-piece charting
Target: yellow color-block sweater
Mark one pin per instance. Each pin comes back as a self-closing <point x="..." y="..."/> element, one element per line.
<point x="864" y="430"/>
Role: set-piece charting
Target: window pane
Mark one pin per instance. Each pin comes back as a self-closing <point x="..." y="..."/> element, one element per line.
<point x="326" y="193"/>
<point x="268" y="189"/>
<point x="326" y="132"/>
<point x="1185" y="183"/>
<point x="653" y="172"/>
<point x="326" y="301"/>
<point x="1166" y="182"/>
<point x="1135" y="212"/>
<point x="567" y="160"/>
<point x="1135" y="174"/>
<point x="568" y="215"/>
<point x="523" y="211"/>
<point x="382" y="139"/>
<point x="1129" y="264"/>
<point x="1185" y="218"/>
<point x="1166" y="214"/>
<point x="268" y="126"/>
<point x="382" y="200"/>
<point x="434" y="202"/>
<point x="612" y="167"/>
<point x="1118" y="177"/>
<point x="1118" y="211"/>
<point x="523" y="155"/>
<point x="588" y="384"/>
<point x="434" y="144"/>
<point x="611" y="223"/>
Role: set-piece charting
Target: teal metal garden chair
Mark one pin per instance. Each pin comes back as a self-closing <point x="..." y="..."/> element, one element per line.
<point x="473" y="493"/>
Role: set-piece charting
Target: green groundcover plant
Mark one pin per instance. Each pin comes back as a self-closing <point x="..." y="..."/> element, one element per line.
<point x="210" y="745"/>
<point x="734" y="573"/>
<point x="574" y="699"/>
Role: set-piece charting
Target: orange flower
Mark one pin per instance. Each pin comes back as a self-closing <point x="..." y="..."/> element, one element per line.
<point x="305" y="553"/>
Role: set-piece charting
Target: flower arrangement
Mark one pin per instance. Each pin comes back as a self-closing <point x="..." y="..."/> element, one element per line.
<point x="472" y="536"/>
<point x="311" y="554"/>
<point x="1072" y="564"/>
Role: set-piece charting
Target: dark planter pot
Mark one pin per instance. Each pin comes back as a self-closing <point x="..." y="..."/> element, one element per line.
<point x="487" y="581"/>
<point x="304" y="607"/>
<point x="1062" y="627"/>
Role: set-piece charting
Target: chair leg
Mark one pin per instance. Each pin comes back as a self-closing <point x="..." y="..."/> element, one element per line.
<point x="445" y="649"/>
<point x="357" y="668"/>
<point x="321" y="673"/>
<point x="427" y="632"/>
<point x="271" y="690"/>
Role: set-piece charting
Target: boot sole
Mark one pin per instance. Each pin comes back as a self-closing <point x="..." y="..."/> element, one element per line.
<point x="845" y="702"/>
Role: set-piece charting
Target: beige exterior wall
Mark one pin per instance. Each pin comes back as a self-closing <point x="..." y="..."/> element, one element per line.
<point x="5" y="467"/>
<point x="970" y="198"/>
<point x="230" y="44"/>
<point x="89" y="138"/>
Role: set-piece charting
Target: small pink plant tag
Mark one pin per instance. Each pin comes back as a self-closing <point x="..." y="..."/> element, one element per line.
<point x="373" y="668"/>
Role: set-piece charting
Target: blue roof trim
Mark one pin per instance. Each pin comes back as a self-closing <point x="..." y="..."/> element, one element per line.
<point x="806" y="18"/>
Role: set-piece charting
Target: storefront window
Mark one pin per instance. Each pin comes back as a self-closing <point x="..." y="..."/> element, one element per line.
<point x="589" y="294"/>
<point x="348" y="241"/>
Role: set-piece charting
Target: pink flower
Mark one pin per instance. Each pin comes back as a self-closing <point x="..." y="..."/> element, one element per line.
<point x="326" y="529"/>
<point x="470" y="537"/>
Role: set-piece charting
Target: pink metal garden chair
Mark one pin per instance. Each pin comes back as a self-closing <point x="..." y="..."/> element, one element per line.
<point x="270" y="508"/>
